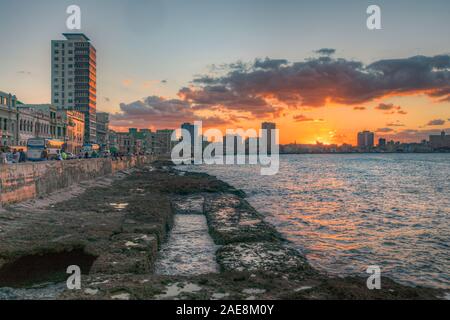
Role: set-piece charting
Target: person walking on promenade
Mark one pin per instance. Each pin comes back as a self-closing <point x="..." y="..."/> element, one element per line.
<point x="23" y="156"/>
<point x="45" y="155"/>
<point x="3" y="157"/>
<point x="16" y="156"/>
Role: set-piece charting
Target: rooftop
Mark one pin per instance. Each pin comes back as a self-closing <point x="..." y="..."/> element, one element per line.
<point x="76" y="36"/>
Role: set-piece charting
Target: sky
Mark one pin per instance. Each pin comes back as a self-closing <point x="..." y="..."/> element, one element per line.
<point x="312" y="67"/>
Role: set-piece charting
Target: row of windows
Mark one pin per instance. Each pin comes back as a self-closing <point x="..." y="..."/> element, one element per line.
<point x="62" y="44"/>
<point x="62" y="52"/>
<point x="62" y="101"/>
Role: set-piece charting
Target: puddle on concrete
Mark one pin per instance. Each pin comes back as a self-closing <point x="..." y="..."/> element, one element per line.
<point x="188" y="204"/>
<point x="176" y="289"/>
<point x="119" y="206"/>
<point x="189" y="250"/>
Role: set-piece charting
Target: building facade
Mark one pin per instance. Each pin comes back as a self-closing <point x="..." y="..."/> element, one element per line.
<point x="366" y="139"/>
<point x="74" y="79"/>
<point x="103" y="130"/>
<point x="74" y="130"/>
<point x="269" y="127"/>
<point x="8" y="119"/>
<point x="125" y="142"/>
<point x="33" y="122"/>
<point x="441" y="141"/>
<point x="162" y="143"/>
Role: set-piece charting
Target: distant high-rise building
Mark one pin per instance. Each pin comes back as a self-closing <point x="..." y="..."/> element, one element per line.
<point x="366" y="139"/>
<point x="74" y="79"/>
<point x="191" y="129"/>
<point x="440" y="141"/>
<point x="269" y="126"/>
<point x="381" y="142"/>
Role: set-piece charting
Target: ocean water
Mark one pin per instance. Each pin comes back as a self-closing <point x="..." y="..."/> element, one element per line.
<point x="348" y="212"/>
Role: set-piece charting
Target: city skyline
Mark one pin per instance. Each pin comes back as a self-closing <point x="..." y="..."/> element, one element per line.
<point x="143" y="90"/>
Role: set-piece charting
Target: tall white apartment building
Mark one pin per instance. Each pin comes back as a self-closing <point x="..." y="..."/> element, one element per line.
<point x="74" y="79"/>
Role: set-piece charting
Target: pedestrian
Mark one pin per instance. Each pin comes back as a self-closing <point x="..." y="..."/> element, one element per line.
<point x="16" y="156"/>
<point x="3" y="157"/>
<point x="44" y="155"/>
<point x="23" y="156"/>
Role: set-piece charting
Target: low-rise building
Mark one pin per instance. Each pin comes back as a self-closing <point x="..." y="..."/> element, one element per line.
<point x="162" y="143"/>
<point x="74" y="130"/>
<point x="8" y="119"/>
<point x="57" y="125"/>
<point x="103" y="130"/>
<point x="125" y="142"/>
<point x="32" y="123"/>
<point x="441" y="141"/>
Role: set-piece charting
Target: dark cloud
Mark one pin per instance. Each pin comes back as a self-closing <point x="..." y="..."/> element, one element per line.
<point x="386" y="107"/>
<point x="302" y="118"/>
<point x="359" y="108"/>
<point x="107" y="99"/>
<point x="326" y="51"/>
<point x="259" y="87"/>
<point x="385" y="130"/>
<point x="390" y="108"/>
<point x="269" y="63"/>
<point x="437" y="122"/>
<point x="161" y="113"/>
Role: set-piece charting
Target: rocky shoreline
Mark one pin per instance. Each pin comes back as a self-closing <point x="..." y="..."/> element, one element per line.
<point x="114" y="231"/>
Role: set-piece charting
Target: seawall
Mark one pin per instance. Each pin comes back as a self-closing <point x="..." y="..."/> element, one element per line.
<point x="24" y="181"/>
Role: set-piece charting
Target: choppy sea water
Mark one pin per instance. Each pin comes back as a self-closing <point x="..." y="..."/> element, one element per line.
<point x="346" y="212"/>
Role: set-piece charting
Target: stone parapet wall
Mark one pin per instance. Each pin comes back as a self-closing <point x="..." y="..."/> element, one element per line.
<point x="19" y="182"/>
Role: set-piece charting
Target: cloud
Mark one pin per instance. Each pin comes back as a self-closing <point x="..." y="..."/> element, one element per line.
<point x="326" y="51"/>
<point x="107" y="99"/>
<point x="385" y="130"/>
<point x="269" y="63"/>
<point x="24" y="72"/>
<point x="390" y="108"/>
<point x="265" y="86"/>
<point x="386" y="107"/>
<point x="161" y="113"/>
<point x="303" y="118"/>
<point x="437" y="122"/>
<point x="359" y="108"/>
<point x="395" y="124"/>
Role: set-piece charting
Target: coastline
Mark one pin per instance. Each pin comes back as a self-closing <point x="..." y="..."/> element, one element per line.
<point x="116" y="229"/>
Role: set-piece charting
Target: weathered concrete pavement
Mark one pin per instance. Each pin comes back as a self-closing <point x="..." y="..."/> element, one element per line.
<point x="114" y="232"/>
